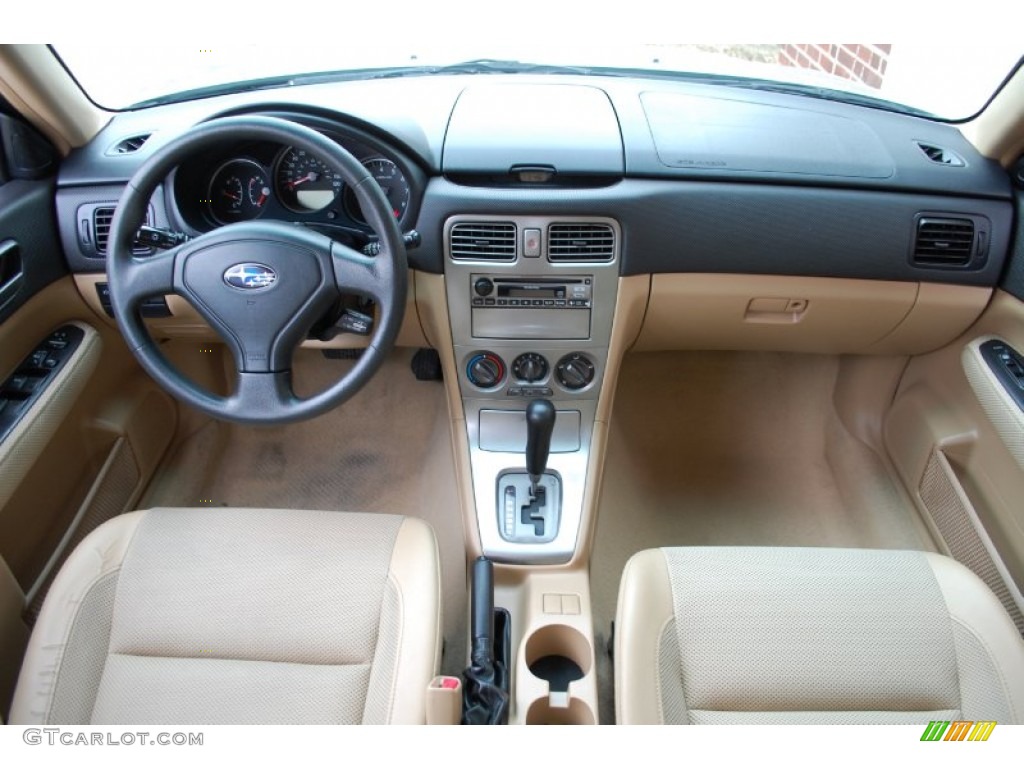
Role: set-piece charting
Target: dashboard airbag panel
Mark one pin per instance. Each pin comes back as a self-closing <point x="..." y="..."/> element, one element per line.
<point x="709" y="134"/>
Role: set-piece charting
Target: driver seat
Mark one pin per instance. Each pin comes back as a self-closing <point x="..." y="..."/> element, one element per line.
<point x="239" y="616"/>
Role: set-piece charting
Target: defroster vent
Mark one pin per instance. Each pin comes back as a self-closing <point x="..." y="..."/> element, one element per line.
<point x="483" y="241"/>
<point x="581" y="242"/>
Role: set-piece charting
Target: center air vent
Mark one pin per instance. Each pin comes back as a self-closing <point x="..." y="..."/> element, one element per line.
<point x="581" y="242"/>
<point x="944" y="242"/>
<point x="483" y="241"/>
<point x="941" y="156"/>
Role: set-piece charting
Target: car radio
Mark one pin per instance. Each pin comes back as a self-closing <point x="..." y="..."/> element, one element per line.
<point x="519" y="292"/>
<point x="531" y="307"/>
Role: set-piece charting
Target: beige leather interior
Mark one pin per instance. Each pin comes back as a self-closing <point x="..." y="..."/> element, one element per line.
<point x="773" y="636"/>
<point x="937" y="409"/>
<point x="805" y="314"/>
<point x="771" y="456"/>
<point x="239" y="616"/>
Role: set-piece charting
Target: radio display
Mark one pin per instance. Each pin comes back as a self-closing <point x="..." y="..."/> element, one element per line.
<point x="529" y="293"/>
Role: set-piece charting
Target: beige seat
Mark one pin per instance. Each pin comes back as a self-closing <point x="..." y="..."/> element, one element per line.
<point x="238" y="616"/>
<point x="752" y="635"/>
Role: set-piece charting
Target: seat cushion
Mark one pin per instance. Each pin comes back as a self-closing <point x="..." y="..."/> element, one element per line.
<point x="238" y="616"/>
<point x="770" y="635"/>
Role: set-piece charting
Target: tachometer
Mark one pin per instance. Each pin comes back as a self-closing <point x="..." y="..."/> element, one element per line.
<point x="391" y="181"/>
<point x="231" y="193"/>
<point x="305" y="183"/>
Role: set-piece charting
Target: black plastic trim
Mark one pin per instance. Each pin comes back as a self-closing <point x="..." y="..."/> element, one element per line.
<point x="670" y="226"/>
<point x="1008" y="366"/>
<point x="27" y="218"/>
<point x="34" y="374"/>
<point x="1013" y="276"/>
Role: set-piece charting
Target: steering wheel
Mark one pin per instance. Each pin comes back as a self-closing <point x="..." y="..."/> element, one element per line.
<point x="260" y="284"/>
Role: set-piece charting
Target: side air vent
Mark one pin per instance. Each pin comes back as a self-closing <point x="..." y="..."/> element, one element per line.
<point x="941" y="156"/>
<point x="581" y="242"/>
<point x="129" y="145"/>
<point x="101" y="218"/>
<point x="483" y="241"/>
<point x="944" y="242"/>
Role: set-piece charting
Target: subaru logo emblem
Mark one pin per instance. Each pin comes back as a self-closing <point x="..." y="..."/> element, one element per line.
<point x="250" y="277"/>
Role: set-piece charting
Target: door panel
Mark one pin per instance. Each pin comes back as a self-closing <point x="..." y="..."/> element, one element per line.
<point x="957" y="439"/>
<point x="78" y="445"/>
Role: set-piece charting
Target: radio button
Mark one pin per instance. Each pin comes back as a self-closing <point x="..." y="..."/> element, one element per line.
<point x="489" y="302"/>
<point x="478" y="302"/>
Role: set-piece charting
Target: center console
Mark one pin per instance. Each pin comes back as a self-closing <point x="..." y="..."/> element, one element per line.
<point x="531" y="301"/>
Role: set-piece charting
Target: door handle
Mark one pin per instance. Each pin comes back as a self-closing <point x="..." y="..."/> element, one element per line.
<point x="11" y="273"/>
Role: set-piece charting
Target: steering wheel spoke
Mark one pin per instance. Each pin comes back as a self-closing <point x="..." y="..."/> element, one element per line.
<point x="355" y="272"/>
<point x="260" y="397"/>
<point x="141" y="278"/>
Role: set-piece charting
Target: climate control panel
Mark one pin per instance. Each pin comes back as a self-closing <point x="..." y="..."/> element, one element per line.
<point x="530" y="374"/>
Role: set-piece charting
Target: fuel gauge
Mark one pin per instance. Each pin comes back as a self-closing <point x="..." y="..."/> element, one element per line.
<point x="238" y="191"/>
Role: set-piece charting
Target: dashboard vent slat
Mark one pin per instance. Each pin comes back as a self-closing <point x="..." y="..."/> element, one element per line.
<point x="581" y="242"/>
<point x="129" y="145"/>
<point x="941" y="156"/>
<point x="944" y="242"/>
<point x="102" y="216"/>
<point x="483" y="241"/>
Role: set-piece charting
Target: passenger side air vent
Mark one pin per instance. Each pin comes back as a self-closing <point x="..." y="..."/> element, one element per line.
<point x="941" y="156"/>
<point x="129" y="145"/>
<point x="581" y="242"/>
<point x="483" y="241"/>
<point x="943" y="242"/>
<point x="101" y="218"/>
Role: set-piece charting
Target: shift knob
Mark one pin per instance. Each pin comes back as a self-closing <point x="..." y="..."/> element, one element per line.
<point x="540" y="422"/>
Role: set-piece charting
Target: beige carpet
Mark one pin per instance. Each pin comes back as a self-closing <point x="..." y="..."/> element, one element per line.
<point x="735" y="449"/>
<point x="386" y="450"/>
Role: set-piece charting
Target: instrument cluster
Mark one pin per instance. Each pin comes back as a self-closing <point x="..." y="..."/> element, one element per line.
<point x="253" y="180"/>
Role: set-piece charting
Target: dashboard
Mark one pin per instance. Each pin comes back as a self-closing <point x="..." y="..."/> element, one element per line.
<point x="698" y="179"/>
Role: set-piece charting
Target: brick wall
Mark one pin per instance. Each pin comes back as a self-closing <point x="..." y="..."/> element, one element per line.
<point x="865" y="62"/>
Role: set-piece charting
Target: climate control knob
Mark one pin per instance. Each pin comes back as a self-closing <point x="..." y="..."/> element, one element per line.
<point x="485" y="370"/>
<point x="530" y="367"/>
<point x="574" y="371"/>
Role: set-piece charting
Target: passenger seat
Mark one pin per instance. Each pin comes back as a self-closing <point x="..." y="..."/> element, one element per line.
<point x="830" y="636"/>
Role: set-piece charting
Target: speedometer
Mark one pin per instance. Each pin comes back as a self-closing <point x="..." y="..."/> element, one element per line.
<point x="305" y="183"/>
<point x="392" y="183"/>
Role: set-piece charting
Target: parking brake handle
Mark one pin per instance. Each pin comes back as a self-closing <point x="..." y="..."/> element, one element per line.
<point x="485" y="693"/>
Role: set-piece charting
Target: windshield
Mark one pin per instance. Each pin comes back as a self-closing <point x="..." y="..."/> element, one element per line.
<point x="950" y="83"/>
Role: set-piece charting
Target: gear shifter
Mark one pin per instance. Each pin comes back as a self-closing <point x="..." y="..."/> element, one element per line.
<point x="540" y="422"/>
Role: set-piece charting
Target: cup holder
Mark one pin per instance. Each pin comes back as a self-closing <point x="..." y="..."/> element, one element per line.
<point x="542" y="713"/>
<point x="559" y="655"/>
